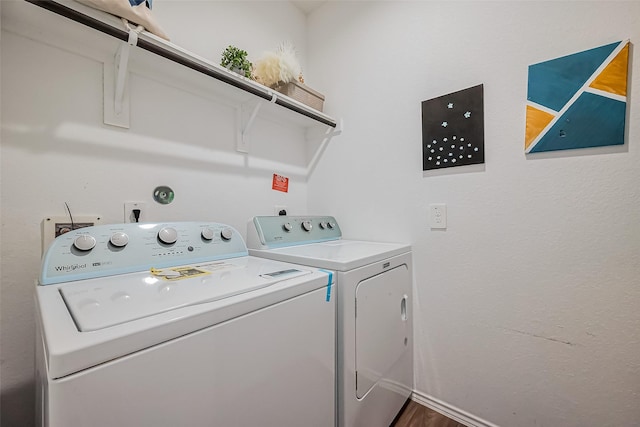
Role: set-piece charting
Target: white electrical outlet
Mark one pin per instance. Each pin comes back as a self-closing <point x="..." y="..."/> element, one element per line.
<point x="129" y="208"/>
<point x="438" y="215"/>
<point x="279" y="210"/>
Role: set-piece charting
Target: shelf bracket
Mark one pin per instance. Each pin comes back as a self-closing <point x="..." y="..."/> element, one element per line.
<point x="326" y="138"/>
<point x="116" y="96"/>
<point x="245" y="119"/>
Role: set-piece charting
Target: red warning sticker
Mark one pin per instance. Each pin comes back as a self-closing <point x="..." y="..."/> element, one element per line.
<point x="280" y="183"/>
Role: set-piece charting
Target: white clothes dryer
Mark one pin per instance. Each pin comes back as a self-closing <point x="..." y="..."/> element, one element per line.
<point x="175" y="325"/>
<point x="374" y="291"/>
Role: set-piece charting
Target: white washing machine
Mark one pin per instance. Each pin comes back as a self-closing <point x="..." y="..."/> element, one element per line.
<point x="374" y="290"/>
<point x="175" y="325"/>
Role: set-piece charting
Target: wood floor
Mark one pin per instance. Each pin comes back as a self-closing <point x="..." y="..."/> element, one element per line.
<point x="416" y="415"/>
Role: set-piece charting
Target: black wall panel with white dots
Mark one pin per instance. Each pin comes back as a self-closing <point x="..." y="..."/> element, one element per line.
<point x="453" y="129"/>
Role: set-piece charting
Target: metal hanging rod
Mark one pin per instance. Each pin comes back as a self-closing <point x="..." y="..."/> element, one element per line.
<point x="159" y="50"/>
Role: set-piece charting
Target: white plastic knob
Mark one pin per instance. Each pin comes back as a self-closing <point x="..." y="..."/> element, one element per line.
<point x="207" y="233"/>
<point x="226" y="234"/>
<point x="323" y="225"/>
<point x="84" y="242"/>
<point x="287" y="226"/>
<point x="331" y="224"/>
<point x="306" y="226"/>
<point x="168" y="235"/>
<point x="119" y="239"/>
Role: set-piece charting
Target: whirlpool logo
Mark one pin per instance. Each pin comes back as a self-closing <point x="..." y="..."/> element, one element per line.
<point x="71" y="267"/>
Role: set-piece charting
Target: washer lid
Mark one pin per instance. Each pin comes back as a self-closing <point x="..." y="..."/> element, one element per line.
<point x="146" y="317"/>
<point x="101" y="303"/>
<point x="339" y="255"/>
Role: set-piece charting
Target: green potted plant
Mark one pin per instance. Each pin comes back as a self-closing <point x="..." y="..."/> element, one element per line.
<point x="235" y="59"/>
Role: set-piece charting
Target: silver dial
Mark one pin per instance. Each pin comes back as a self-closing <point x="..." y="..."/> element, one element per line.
<point x="84" y="242"/>
<point x="168" y="235"/>
<point x="226" y="234"/>
<point x="119" y="239"/>
<point x="207" y="233"/>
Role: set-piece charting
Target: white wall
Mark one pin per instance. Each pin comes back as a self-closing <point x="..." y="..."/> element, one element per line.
<point x="1" y="358"/>
<point x="527" y="305"/>
<point x="207" y="27"/>
<point x="56" y="149"/>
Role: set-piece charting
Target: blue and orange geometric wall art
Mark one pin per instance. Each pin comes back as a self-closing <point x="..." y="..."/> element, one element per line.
<point x="579" y="100"/>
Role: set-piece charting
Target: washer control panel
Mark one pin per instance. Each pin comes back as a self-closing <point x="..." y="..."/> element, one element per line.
<point x="106" y="250"/>
<point x="265" y="232"/>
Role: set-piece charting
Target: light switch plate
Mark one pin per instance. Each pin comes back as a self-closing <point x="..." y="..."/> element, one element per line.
<point x="438" y="215"/>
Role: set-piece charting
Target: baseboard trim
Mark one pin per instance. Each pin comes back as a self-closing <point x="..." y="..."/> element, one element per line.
<point x="450" y="411"/>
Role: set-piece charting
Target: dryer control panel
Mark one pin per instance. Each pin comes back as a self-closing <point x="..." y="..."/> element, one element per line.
<point x="106" y="250"/>
<point x="265" y="232"/>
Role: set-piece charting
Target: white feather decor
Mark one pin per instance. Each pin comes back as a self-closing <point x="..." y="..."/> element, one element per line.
<point x="289" y="66"/>
<point x="266" y="70"/>
<point x="281" y="66"/>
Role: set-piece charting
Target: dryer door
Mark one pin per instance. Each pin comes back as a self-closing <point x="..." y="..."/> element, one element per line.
<point x="382" y="326"/>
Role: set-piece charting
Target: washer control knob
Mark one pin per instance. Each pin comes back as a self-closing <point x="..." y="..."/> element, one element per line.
<point x="226" y="234"/>
<point x="323" y="225"/>
<point x="306" y="226"/>
<point x="168" y="235"/>
<point x="331" y="224"/>
<point x="119" y="239"/>
<point x="84" y="242"/>
<point x="207" y="233"/>
<point x="287" y="227"/>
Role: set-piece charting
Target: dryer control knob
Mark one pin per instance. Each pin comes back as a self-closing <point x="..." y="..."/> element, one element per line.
<point x="207" y="233"/>
<point x="168" y="235"/>
<point x="226" y="234"/>
<point x="287" y="227"/>
<point x="306" y="225"/>
<point x="119" y="239"/>
<point x="331" y="224"/>
<point x="84" y="242"/>
<point x="323" y="225"/>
